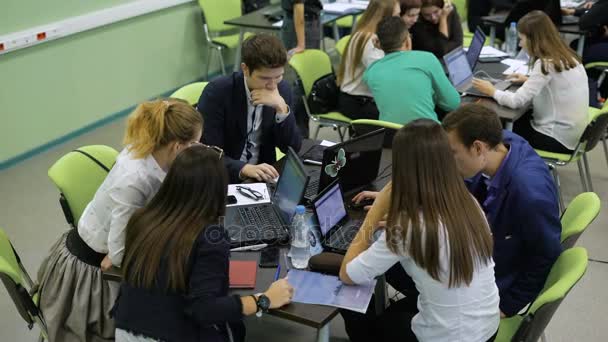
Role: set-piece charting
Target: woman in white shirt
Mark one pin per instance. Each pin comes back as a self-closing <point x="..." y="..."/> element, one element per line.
<point x="438" y="233"/>
<point x="355" y="99"/>
<point x="557" y="87"/>
<point x="74" y="298"/>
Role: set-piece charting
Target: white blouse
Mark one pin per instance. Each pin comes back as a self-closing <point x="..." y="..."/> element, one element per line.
<point x="129" y="186"/>
<point x="465" y="313"/>
<point x="560" y="101"/>
<point x="353" y="84"/>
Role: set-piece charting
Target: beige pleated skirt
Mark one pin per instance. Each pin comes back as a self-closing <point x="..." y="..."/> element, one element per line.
<point x="74" y="299"/>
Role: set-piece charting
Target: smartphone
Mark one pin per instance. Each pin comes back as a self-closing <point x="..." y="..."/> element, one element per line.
<point x="231" y="199"/>
<point x="270" y="257"/>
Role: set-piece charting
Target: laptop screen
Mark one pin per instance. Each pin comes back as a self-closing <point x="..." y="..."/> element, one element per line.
<point x="458" y="67"/>
<point x="475" y="49"/>
<point x="330" y="208"/>
<point x="290" y="187"/>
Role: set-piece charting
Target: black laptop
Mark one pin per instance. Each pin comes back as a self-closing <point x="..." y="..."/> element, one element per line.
<point x="336" y="229"/>
<point x="354" y="162"/>
<point x="269" y="222"/>
<point x="479" y="38"/>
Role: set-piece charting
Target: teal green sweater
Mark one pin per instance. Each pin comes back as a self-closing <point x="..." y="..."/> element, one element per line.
<point x="407" y="85"/>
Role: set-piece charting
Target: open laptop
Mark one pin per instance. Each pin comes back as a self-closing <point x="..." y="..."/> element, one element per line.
<point x="479" y="38"/>
<point x="354" y="162"/>
<point x="269" y="222"/>
<point x="337" y="230"/>
<point x="461" y="76"/>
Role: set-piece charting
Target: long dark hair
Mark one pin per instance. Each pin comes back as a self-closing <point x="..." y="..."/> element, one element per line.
<point x="426" y="190"/>
<point x="192" y="196"/>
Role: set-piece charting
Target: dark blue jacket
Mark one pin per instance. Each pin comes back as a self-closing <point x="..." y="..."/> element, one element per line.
<point x="223" y="105"/>
<point x="525" y="222"/>
<point x="198" y="314"/>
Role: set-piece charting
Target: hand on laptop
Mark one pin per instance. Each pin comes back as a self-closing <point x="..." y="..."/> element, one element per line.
<point x="365" y="196"/>
<point x="517" y="78"/>
<point x="260" y="172"/>
<point x="485" y="87"/>
<point x="279" y="293"/>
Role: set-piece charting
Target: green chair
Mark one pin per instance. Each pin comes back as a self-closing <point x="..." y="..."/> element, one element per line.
<point x="220" y="36"/>
<point x="579" y="214"/>
<point x="78" y="174"/>
<point x="362" y="126"/>
<point x="565" y="273"/>
<point x="20" y="286"/>
<point x="310" y="66"/>
<point x="591" y="136"/>
<point x="342" y="44"/>
<point x="190" y="92"/>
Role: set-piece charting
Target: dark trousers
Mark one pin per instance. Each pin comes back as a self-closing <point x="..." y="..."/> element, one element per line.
<point x="524" y="128"/>
<point x="357" y="107"/>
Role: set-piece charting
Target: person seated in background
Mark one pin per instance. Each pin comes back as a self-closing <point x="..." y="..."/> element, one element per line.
<point x="476" y="9"/>
<point x="248" y="115"/>
<point x="429" y="213"/>
<point x="407" y="85"/>
<point x="557" y="88"/>
<point x="355" y="99"/>
<point x="175" y="270"/>
<point x="439" y="29"/>
<point x="410" y="12"/>
<point x="594" y="20"/>
<point x="75" y="298"/>
<point x="518" y="195"/>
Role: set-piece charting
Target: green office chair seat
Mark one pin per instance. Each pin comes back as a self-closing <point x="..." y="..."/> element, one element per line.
<point x="334" y="116"/>
<point x="341" y="45"/>
<point x="190" y="92"/>
<point x="562" y="157"/>
<point x="564" y="275"/>
<point x="230" y="41"/>
<point x="19" y="286"/>
<point x="583" y="209"/>
<point x="78" y="175"/>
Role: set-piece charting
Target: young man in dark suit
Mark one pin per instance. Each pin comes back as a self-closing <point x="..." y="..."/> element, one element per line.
<point x="248" y="113"/>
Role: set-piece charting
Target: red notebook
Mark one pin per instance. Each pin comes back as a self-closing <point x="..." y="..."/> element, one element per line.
<point x="242" y="274"/>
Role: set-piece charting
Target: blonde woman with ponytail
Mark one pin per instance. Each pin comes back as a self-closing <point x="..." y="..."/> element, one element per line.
<point x="74" y="298"/>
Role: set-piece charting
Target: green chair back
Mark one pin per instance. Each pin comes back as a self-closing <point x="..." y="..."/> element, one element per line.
<point x="583" y="209"/>
<point x="461" y="8"/>
<point x="310" y="65"/>
<point x="19" y="285"/>
<point x="342" y="44"/>
<point x="217" y="11"/>
<point x="78" y="175"/>
<point x="565" y="273"/>
<point x="190" y="92"/>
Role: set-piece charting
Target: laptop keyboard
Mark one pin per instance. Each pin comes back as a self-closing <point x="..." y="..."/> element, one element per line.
<point x="260" y="224"/>
<point x="502" y="85"/>
<point x="342" y="238"/>
<point x="312" y="189"/>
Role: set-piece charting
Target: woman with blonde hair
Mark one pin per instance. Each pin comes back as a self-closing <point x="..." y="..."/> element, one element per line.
<point x="557" y="88"/>
<point x="355" y="99"/>
<point x="74" y="298"/>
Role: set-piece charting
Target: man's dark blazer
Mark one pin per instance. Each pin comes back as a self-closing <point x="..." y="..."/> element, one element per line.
<point x="223" y="105"/>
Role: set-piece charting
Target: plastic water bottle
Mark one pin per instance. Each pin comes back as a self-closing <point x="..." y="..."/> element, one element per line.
<point x="511" y="40"/>
<point x="300" y="244"/>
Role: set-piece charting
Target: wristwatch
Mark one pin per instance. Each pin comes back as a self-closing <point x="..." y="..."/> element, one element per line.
<point x="262" y="302"/>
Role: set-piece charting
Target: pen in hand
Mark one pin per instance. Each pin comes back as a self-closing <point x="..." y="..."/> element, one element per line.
<point x="278" y="273"/>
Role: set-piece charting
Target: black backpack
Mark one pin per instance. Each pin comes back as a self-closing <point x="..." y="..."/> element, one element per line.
<point x="323" y="97"/>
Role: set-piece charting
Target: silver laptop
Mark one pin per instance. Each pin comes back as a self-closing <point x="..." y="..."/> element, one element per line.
<point x="461" y="76"/>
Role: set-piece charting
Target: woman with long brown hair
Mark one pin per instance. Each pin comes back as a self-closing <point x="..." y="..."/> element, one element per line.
<point x="355" y="99"/>
<point x="74" y="297"/>
<point x="557" y="87"/>
<point x="439" y="29"/>
<point x="175" y="270"/>
<point x="438" y="233"/>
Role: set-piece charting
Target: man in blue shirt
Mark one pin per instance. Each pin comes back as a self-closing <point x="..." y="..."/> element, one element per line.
<point x="518" y="195"/>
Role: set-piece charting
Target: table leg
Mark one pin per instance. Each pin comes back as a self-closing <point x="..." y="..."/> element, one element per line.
<point x="492" y="35"/>
<point x="509" y="126"/>
<point x="237" y="56"/>
<point x="323" y="333"/>
<point x="581" y="45"/>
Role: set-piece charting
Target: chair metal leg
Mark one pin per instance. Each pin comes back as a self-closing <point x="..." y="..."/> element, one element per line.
<point x="588" y="173"/>
<point x="339" y="133"/>
<point x="581" y="173"/>
<point x="605" y="149"/>
<point x="209" y="55"/>
<point x="219" y="52"/>
<point x="317" y="131"/>
<point x="553" y="169"/>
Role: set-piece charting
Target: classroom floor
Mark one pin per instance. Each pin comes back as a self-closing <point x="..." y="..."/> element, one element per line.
<point x="31" y="216"/>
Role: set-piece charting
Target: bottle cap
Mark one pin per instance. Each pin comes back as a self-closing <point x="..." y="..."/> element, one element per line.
<point x="300" y="209"/>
